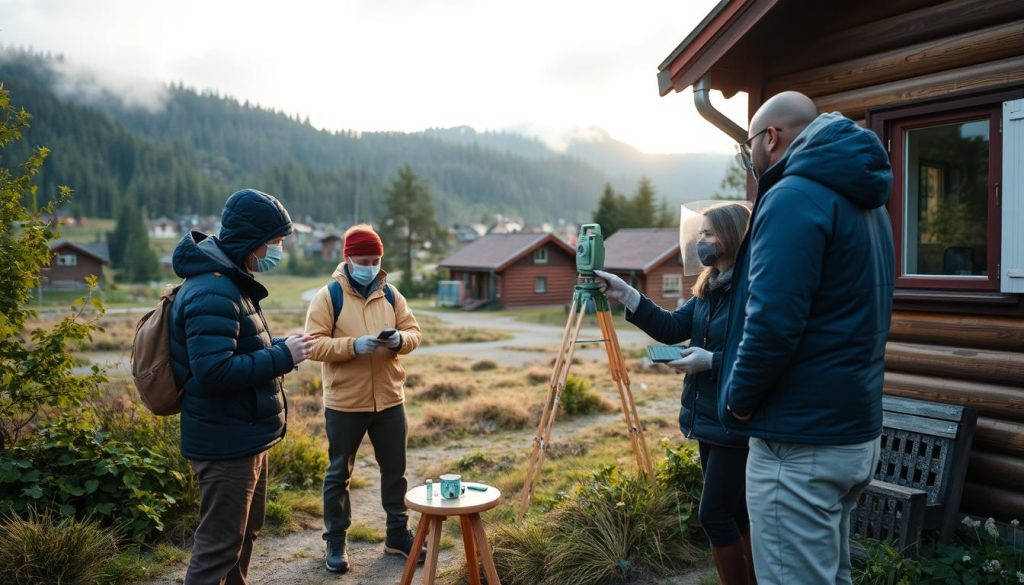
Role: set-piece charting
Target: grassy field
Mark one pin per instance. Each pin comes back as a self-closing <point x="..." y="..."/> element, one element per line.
<point x="89" y="230"/>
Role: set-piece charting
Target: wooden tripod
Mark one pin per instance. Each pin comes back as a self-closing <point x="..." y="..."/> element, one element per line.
<point x="582" y="294"/>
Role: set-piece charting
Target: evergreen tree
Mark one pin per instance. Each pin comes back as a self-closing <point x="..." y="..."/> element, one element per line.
<point x="409" y="224"/>
<point x="667" y="217"/>
<point x="36" y="367"/>
<point x="642" y="212"/>
<point x="734" y="183"/>
<point x="129" y="247"/>
<point x="610" y="214"/>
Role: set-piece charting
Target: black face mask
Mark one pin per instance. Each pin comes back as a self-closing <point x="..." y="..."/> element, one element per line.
<point x="708" y="253"/>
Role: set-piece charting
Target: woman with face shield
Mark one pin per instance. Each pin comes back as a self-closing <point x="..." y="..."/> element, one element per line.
<point x="703" y="321"/>
<point x="362" y="324"/>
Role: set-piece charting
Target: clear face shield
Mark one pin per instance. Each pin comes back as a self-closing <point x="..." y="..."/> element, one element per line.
<point x="691" y="229"/>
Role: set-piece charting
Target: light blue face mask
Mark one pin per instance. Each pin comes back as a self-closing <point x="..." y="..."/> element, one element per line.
<point x="268" y="262"/>
<point x="364" y="275"/>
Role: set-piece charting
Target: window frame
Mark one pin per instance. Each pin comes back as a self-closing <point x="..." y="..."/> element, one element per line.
<point x="891" y="126"/>
<point x="64" y="257"/>
<point x="540" y="255"/>
<point x="540" y="285"/>
<point x="664" y="290"/>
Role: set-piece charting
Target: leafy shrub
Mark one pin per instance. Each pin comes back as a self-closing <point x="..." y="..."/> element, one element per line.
<point x="84" y="472"/>
<point x="520" y="551"/>
<point x="299" y="461"/>
<point x="446" y="390"/>
<point x="576" y="398"/>
<point x="471" y="461"/>
<point x="884" y="564"/>
<point x="484" y="365"/>
<point x="42" y="548"/>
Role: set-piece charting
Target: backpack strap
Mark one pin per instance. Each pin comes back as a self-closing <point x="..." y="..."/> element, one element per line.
<point x="338" y="300"/>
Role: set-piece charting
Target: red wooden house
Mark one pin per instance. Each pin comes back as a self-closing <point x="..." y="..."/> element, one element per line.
<point x="514" y="270"/>
<point x="942" y="85"/>
<point x="649" y="260"/>
<point x="72" y="263"/>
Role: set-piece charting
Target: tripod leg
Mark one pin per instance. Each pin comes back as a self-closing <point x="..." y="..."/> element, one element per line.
<point x="621" y="377"/>
<point x="559" y="374"/>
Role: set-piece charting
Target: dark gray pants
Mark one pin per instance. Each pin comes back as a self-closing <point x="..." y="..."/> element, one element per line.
<point x="388" y="430"/>
<point x="233" y="499"/>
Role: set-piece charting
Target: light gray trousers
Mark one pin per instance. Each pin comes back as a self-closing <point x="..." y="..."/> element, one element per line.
<point x="800" y="498"/>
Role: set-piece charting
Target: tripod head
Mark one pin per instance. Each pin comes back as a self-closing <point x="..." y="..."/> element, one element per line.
<point x="589" y="250"/>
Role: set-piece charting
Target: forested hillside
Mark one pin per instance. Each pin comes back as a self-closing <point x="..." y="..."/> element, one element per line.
<point x="186" y="156"/>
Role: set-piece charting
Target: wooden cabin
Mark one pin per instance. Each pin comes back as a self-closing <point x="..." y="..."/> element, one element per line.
<point x="72" y="263"/>
<point x="514" y="270"/>
<point x="649" y="260"/>
<point x="942" y="84"/>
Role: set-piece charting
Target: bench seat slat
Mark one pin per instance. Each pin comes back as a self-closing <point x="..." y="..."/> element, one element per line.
<point x="950" y="412"/>
<point x="916" y="424"/>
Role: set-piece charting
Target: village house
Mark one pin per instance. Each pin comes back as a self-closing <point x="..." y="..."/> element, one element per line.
<point x="164" y="228"/>
<point x="513" y="270"/>
<point x="650" y="261"/>
<point x="942" y="85"/>
<point x="72" y="263"/>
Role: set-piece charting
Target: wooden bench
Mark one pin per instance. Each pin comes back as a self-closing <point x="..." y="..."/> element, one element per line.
<point x="920" y="474"/>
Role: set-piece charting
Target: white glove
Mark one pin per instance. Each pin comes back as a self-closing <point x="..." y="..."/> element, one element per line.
<point x="618" y="290"/>
<point x="365" y="345"/>
<point x="393" y="341"/>
<point x="694" y="361"/>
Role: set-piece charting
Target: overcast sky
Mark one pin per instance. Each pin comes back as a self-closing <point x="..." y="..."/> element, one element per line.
<point x="548" y="68"/>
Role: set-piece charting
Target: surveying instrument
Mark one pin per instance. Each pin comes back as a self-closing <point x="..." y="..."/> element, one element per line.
<point x="589" y="257"/>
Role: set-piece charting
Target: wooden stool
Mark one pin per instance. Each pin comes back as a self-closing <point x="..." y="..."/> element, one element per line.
<point x="434" y="512"/>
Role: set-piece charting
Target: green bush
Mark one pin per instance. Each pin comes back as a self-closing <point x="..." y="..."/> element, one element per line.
<point x="614" y="528"/>
<point x="884" y="564"/>
<point x="576" y="398"/>
<point x="299" y="461"/>
<point x="84" y="472"/>
<point x="42" y="548"/>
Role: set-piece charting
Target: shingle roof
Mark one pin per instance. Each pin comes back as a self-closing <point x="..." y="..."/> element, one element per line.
<point x="497" y="251"/>
<point x="98" y="250"/>
<point x="640" y="248"/>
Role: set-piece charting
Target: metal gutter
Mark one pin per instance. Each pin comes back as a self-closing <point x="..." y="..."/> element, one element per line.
<point x="702" y="99"/>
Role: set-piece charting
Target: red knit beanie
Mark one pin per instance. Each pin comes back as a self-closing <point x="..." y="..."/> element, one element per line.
<point x="361" y="240"/>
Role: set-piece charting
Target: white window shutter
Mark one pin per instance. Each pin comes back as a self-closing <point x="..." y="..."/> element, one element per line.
<point x="1012" y="261"/>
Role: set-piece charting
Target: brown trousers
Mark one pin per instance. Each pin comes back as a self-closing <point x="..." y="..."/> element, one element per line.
<point x="233" y="499"/>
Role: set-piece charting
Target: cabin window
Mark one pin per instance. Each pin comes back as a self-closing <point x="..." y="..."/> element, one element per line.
<point x="540" y="255"/>
<point x="945" y="199"/>
<point x="67" y="260"/>
<point x="672" y="285"/>
<point x="540" y="285"/>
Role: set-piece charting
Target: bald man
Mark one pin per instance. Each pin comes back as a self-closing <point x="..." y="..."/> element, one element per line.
<point x="809" y="317"/>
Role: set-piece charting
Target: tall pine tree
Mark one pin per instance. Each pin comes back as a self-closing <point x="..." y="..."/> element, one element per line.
<point x="409" y="224"/>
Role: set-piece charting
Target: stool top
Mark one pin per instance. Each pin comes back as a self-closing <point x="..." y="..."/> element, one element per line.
<point x="470" y="502"/>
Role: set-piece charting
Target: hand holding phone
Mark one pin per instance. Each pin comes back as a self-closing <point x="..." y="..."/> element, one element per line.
<point x="386" y="334"/>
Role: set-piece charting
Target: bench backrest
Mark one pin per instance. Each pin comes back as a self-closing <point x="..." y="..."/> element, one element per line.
<point x="925" y="445"/>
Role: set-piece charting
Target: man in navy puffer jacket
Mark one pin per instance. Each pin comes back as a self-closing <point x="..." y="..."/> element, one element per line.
<point x="804" y="355"/>
<point x="233" y="407"/>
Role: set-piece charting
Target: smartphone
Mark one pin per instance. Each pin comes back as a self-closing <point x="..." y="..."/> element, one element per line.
<point x="386" y="333"/>
<point x="660" y="354"/>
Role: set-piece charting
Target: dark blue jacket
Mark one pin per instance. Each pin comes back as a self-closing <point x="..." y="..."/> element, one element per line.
<point x="233" y="405"/>
<point x="812" y="293"/>
<point x="703" y="322"/>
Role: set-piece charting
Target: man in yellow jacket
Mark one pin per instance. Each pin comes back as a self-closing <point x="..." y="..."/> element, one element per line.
<point x="363" y="385"/>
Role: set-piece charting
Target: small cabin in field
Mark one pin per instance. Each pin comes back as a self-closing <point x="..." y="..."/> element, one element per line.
<point x="514" y="270"/>
<point x="72" y="263"/>
<point x="649" y="260"/>
<point x="942" y="85"/>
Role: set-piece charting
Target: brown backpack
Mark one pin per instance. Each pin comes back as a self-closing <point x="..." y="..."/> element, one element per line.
<point x="151" y="357"/>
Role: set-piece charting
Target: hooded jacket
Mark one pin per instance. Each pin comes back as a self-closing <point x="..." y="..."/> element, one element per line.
<point x="233" y="404"/>
<point x="703" y="321"/>
<point x="360" y="383"/>
<point x="812" y="293"/>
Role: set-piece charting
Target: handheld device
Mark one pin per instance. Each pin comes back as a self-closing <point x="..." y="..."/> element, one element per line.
<point x="386" y="333"/>
<point x="660" y="354"/>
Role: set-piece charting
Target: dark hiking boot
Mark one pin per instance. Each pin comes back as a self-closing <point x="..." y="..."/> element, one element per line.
<point x="401" y="544"/>
<point x="337" y="558"/>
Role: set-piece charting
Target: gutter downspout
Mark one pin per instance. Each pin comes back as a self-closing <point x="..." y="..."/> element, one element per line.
<point x="702" y="99"/>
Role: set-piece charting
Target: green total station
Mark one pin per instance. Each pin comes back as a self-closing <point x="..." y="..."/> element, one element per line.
<point x="589" y="250"/>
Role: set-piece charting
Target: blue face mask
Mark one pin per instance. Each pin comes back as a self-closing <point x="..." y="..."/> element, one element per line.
<point x="364" y="275"/>
<point x="268" y="262"/>
<point x="708" y="253"/>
